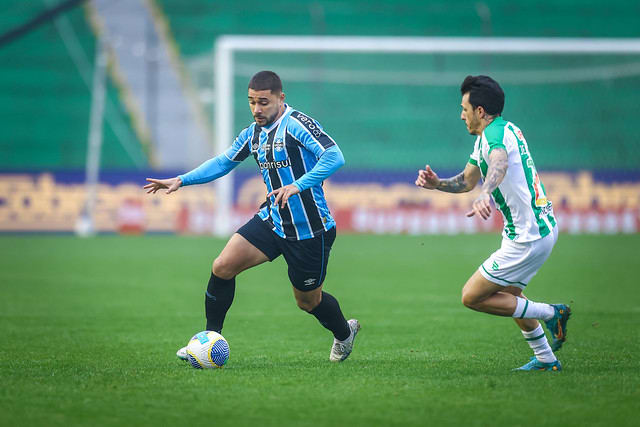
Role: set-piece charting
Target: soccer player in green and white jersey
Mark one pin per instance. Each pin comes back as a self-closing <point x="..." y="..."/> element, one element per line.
<point x="502" y="159"/>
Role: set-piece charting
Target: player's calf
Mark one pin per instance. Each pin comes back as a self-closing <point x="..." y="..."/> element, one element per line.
<point x="537" y="340"/>
<point x="330" y="316"/>
<point x="307" y="301"/>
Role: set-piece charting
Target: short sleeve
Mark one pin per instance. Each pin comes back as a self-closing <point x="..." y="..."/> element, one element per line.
<point x="240" y="149"/>
<point x="309" y="133"/>
<point x="494" y="135"/>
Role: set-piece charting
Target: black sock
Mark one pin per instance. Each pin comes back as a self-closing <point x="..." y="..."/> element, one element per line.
<point x="217" y="301"/>
<point x="330" y="316"/>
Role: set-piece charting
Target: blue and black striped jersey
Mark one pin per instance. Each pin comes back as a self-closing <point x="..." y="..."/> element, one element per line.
<point x="285" y="151"/>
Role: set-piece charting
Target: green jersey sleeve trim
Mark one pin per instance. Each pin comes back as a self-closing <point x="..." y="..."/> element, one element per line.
<point x="494" y="133"/>
<point x="473" y="161"/>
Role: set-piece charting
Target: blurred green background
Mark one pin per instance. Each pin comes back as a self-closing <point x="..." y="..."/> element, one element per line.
<point x="577" y="111"/>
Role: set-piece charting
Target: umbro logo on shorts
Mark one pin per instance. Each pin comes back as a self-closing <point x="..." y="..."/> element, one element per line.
<point x="309" y="282"/>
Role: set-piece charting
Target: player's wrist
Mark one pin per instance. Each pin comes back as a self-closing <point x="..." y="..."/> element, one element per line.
<point x="298" y="186"/>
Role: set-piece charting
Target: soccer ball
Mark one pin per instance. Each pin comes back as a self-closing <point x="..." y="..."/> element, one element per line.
<point x="207" y="349"/>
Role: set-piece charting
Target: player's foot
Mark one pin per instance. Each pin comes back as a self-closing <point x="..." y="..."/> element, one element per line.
<point x="342" y="349"/>
<point x="536" y="365"/>
<point x="182" y="354"/>
<point x="557" y="325"/>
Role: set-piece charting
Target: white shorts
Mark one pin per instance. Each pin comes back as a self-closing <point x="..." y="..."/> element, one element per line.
<point x="515" y="264"/>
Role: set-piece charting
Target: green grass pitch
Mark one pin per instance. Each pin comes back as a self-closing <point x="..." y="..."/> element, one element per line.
<point x="89" y="329"/>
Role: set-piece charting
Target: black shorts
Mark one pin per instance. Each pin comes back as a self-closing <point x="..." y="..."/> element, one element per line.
<point x="307" y="259"/>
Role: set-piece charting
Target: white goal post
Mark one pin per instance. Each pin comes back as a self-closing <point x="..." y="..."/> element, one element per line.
<point x="226" y="46"/>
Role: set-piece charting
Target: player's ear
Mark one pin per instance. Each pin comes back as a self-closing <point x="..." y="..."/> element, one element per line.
<point x="282" y="96"/>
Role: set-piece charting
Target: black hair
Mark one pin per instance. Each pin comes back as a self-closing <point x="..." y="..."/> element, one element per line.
<point x="484" y="91"/>
<point x="264" y="80"/>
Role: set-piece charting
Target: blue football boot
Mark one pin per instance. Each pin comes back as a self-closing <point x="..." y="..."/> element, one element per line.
<point x="557" y="325"/>
<point x="536" y="365"/>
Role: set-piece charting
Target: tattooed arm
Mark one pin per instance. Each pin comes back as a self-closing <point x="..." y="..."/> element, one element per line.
<point x="498" y="163"/>
<point x="461" y="183"/>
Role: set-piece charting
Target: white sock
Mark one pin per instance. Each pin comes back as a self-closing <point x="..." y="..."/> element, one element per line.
<point x="538" y="342"/>
<point x="526" y="309"/>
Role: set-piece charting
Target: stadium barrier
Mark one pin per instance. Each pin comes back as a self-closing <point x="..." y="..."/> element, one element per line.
<point x="585" y="202"/>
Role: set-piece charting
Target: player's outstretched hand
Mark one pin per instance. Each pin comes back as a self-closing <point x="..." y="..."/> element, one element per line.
<point x="481" y="206"/>
<point x="156" y="184"/>
<point x="283" y="193"/>
<point x="427" y="178"/>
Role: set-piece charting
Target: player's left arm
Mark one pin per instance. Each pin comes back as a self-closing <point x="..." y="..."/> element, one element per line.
<point x="330" y="161"/>
<point x="498" y="163"/>
<point x="314" y="139"/>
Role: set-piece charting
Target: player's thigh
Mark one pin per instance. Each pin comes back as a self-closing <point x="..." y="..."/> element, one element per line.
<point x="238" y="255"/>
<point x="307" y="260"/>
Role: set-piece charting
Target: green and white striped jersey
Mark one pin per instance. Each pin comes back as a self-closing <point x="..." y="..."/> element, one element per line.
<point x="527" y="213"/>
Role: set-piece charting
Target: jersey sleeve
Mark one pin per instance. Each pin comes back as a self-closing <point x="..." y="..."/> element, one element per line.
<point x="495" y="137"/>
<point x="330" y="161"/>
<point x="241" y="147"/>
<point x="310" y="133"/>
<point x="474" y="158"/>
<point x="222" y="164"/>
<point x="209" y="170"/>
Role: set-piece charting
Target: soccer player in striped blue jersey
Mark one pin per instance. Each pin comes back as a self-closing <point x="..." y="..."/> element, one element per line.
<point x="294" y="155"/>
<point x="502" y="158"/>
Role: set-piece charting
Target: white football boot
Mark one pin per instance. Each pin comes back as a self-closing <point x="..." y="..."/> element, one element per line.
<point x="342" y="349"/>
<point x="182" y="354"/>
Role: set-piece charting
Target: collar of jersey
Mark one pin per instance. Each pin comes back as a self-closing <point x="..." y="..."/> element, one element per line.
<point x="496" y="120"/>
<point x="277" y="122"/>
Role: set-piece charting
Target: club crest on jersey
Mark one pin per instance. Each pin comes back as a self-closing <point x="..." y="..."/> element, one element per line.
<point x="278" y="144"/>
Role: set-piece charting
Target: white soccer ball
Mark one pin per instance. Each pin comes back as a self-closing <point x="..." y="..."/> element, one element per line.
<point x="207" y="349"/>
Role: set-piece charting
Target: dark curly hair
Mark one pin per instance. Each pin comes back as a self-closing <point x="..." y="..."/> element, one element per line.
<point x="264" y="80"/>
<point x="484" y="91"/>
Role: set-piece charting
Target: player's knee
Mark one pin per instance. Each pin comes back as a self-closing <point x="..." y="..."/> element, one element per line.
<point x="223" y="268"/>
<point x="468" y="300"/>
<point x="308" y="304"/>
